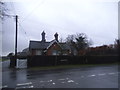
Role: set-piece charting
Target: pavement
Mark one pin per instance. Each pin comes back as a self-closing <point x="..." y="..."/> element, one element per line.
<point x="101" y="76"/>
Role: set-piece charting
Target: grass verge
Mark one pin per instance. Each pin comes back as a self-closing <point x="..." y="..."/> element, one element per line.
<point x="68" y="66"/>
<point x="1" y="60"/>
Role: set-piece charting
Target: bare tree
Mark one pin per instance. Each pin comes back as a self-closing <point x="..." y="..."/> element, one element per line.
<point x="78" y="42"/>
<point x="61" y="40"/>
<point x="82" y="41"/>
<point x="3" y="10"/>
<point x="70" y="40"/>
<point x="117" y="45"/>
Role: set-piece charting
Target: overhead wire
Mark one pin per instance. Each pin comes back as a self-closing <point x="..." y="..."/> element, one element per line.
<point x="14" y="12"/>
<point x="25" y="33"/>
<point x="33" y="10"/>
<point x="22" y="29"/>
<point x="25" y="18"/>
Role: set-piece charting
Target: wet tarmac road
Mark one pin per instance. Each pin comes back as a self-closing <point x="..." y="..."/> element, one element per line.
<point x="105" y="76"/>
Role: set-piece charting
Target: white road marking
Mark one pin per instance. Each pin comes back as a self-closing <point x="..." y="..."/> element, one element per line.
<point x="101" y="74"/>
<point x="31" y="86"/>
<point x="111" y="73"/>
<point x="69" y="81"/>
<point x="91" y="75"/>
<point x="42" y="81"/>
<point x="46" y="81"/>
<point x="49" y="81"/>
<point x="53" y="83"/>
<point x="24" y="84"/>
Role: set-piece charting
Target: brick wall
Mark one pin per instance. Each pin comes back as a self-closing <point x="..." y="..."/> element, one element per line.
<point x="53" y="47"/>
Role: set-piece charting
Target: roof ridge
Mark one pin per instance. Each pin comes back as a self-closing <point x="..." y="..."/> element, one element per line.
<point x="40" y="41"/>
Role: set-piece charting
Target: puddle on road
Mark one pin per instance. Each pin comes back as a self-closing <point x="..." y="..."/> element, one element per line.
<point x="61" y="79"/>
<point x="62" y="82"/>
<point x="5" y="86"/>
<point x="101" y="74"/>
<point x="82" y="76"/>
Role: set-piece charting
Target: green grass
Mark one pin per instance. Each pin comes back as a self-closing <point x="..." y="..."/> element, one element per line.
<point x="68" y="66"/>
<point x="1" y="60"/>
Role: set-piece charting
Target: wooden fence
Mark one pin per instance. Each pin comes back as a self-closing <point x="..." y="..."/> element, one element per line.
<point x="69" y="60"/>
<point x="33" y="61"/>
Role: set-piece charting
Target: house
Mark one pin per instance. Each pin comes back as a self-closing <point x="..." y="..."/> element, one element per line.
<point x="24" y="53"/>
<point x="53" y="47"/>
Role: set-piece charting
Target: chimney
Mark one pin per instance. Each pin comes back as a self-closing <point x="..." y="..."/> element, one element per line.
<point x="56" y="37"/>
<point x="43" y="36"/>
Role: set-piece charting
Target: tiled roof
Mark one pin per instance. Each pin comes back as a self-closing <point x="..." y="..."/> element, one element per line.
<point x="38" y="45"/>
<point x="46" y="45"/>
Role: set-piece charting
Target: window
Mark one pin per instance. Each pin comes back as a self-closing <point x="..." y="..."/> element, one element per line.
<point x="65" y="54"/>
<point x="55" y="52"/>
<point x="38" y="52"/>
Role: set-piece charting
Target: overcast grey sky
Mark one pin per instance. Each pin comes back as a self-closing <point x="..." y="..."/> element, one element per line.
<point x="98" y="19"/>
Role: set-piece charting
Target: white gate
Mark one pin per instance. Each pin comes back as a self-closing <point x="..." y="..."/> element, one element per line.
<point x="21" y="63"/>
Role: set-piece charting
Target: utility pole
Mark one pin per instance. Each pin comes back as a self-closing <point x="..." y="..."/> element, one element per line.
<point x="16" y="18"/>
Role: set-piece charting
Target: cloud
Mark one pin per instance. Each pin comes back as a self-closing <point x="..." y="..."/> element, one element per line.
<point x="98" y="19"/>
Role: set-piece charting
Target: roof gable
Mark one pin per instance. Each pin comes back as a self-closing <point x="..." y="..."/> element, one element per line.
<point x="52" y="42"/>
